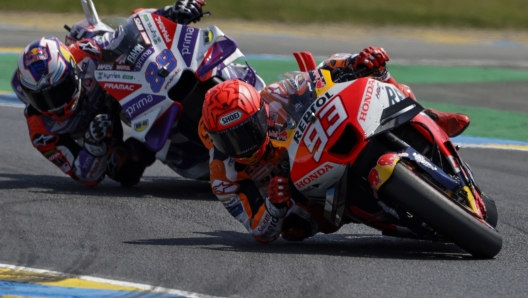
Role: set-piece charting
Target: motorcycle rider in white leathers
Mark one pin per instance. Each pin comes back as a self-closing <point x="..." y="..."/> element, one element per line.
<point x="72" y="121"/>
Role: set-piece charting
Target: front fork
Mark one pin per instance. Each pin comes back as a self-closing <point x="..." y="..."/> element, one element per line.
<point x="384" y="168"/>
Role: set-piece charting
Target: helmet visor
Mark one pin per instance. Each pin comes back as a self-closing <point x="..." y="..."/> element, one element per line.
<point x="243" y="139"/>
<point x="53" y="98"/>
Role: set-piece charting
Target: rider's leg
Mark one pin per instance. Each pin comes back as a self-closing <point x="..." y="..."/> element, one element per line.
<point x="452" y="123"/>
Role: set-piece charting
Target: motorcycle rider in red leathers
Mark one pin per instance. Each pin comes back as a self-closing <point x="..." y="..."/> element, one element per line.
<point x="247" y="173"/>
<point x="72" y="121"/>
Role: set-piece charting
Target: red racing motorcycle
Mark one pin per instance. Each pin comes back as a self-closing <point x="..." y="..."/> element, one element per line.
<point x="370" y="155"/>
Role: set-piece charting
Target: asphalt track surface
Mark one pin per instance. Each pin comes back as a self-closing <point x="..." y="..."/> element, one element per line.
<point x="173" y="233"/>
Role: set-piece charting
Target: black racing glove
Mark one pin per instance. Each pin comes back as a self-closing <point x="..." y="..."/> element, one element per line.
<point x="99" y="128"/>
<point x="186" y="11"/>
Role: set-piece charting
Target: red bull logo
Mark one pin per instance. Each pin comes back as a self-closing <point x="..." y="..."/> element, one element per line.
<point x="383" y="170"/>
<point x="320" y="84"/>
<point x="36" y="54"/>
<point x="374" y="179"/>
<point x="283" y="135"/>
<point x="387" y="160"/>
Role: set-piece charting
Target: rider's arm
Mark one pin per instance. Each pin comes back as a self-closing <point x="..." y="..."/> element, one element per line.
<point x="242" y="199"/>
<point x="181" y="12"/>
<point x="371" y="57"/>
<point x="64" y="152"/>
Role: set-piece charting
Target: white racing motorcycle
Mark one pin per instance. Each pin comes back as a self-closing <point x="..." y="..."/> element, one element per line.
<point x="159" y="72"/>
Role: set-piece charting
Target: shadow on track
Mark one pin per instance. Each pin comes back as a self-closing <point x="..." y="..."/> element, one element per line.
<point x="161" y="187"/>
<point x="340" y="245"/>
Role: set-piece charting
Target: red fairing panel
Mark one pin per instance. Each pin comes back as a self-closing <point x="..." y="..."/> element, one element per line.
<point x="335" y="110"/>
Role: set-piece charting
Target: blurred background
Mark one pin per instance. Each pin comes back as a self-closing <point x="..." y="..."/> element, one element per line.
<point x="491" y="14"/>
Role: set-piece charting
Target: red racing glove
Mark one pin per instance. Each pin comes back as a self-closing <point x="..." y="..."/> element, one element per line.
<point x="373" y="58"/>
<point x="279" y="190"/>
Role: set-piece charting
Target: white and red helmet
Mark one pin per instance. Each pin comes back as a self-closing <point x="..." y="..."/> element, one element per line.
<point x="50" y="78"/>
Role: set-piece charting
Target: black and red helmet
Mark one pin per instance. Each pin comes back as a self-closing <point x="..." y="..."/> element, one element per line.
<point x="235" y="118"/>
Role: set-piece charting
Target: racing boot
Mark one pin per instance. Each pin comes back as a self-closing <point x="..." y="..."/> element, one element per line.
<point x="452" y="123"/>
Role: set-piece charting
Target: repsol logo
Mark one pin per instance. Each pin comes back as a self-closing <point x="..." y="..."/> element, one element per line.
<point x="230" y="118"/>
<point x="310" y="112"/>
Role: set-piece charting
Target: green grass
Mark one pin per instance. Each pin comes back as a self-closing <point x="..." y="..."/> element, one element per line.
<point x="450" y="13"/>
<point x="8" y="64"/>
<point x="270" y="70"/>
<point x="488" y="123"/>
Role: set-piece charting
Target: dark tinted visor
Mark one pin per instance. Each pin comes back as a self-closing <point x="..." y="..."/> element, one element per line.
<point x="51" y="98"/>
<point x="245" y="138"/>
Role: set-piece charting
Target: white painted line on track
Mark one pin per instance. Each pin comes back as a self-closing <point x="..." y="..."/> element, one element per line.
<point x="142" y="288"/>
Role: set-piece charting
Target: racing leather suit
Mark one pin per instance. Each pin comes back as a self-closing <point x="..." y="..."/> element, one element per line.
<point x="242" y="189"/>
<point x="60" y="141"/>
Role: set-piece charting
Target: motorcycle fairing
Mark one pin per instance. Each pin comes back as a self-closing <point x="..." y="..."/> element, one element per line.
<point x="336" y="126"/>
<point x="219" y="52"/>
<point x="384" y="107"/>
<point x="397" y="114"/>
<point x="155" y="140"/>
<point x="168" y="49"/>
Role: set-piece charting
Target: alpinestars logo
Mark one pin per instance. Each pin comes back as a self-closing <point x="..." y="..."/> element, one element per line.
<point x="90" y="48"/>
<point x="222" y="187"/>
<point x="43" y="140"/>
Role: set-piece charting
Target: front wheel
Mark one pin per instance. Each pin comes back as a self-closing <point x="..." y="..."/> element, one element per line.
<point x="433" y="207"/>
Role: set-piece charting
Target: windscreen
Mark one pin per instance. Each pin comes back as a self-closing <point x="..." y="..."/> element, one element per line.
<point x="127" y="46"/>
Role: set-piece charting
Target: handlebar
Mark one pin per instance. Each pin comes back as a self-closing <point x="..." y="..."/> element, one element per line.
<point x="358" y="72"/>
<point x="196" y="18"/>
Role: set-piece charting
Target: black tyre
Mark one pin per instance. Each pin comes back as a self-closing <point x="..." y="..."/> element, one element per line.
<point x="434" y="208"/>
<point x="492" y="216"/>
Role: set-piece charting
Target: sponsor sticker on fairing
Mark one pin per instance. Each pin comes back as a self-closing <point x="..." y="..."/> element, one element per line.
<point x="119" y="90"/>
<point x="143" y="58"/>
<point x="166" y="29"/>
<point x="208" y="36"/>
<point x="187" y="43"/>
<point x="135" y="53"/>
<point x="140" y="104"/>
<point x="141" y="125"/>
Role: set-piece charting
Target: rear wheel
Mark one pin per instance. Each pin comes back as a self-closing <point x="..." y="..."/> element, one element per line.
<point x="433" y="207"/>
